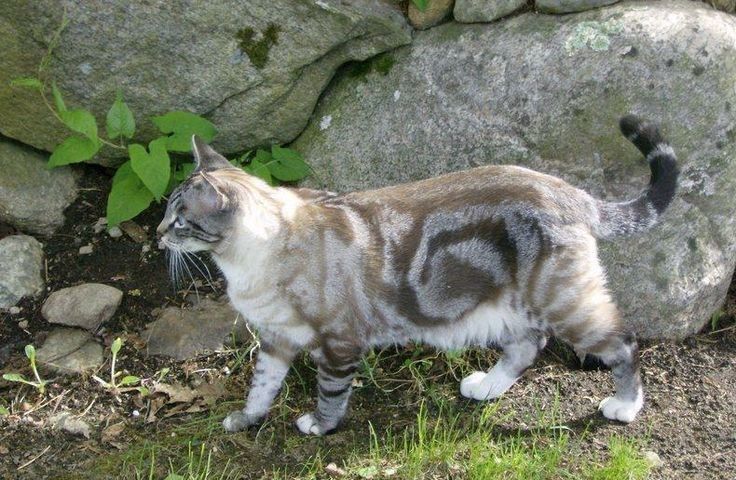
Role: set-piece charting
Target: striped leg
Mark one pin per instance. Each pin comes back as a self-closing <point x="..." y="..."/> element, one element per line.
<point x="336" y="368"/>
<point x="270" y="371"/>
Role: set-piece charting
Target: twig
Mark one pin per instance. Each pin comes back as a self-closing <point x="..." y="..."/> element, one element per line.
<point x="34" y="458"/>
<point x="86" y="410"/>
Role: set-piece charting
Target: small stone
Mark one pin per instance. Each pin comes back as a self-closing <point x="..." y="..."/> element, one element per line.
<point x="435" y="13"/>
<point x="334" y="471"/>
<point x="115" y="232"/>
<point x="472" y="11"/>
<point x="14" y="310"/>
<point x="145" y="248"/>
<point x="136" y="413"/>
<point x="21" y="262"/>
<point x="100" y="225"/>
<point x="69" y="424"/>
<point x="23" y="324"/>
<point x="569" y="6"/>
<point x="69" y="350"/>
<point x="653" y="459"/>
<point x="85" y="250"/>
<point x="88" y="305"/>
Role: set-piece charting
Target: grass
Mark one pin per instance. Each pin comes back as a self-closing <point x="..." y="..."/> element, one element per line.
<point x="432" y="435"/>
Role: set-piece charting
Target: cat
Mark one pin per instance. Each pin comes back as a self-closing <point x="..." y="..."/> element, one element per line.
<point x="496" y="255"/>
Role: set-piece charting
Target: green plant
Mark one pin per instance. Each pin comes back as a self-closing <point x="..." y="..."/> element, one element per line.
<point x="38" y="384"/>
<point x="127" y="381"/>
<point x="420" y="4"/>
<point x="149" y="173"/>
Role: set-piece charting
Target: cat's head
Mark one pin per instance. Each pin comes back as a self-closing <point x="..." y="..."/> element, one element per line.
<point x="200" y="211"/>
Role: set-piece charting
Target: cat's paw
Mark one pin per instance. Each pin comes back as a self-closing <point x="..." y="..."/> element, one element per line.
<point x="309" y="425"/>
<point x="238" y="420"/>
<point x="485" y="386"/>
<point x="621" y="410"/>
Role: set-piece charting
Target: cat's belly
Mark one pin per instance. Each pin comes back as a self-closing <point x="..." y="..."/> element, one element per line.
<point x="489" y="323"/>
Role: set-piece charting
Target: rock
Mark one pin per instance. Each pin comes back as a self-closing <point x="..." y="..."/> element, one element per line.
<point x="183" y="334"/>
<point x="567" y="6"/>
<point x="87" y="306"/>
<point x="21" y="262"/>
<point x="33" y="198"/>
<point x="65" y="421"/>
<point x="254" y="68"/>
<point x="653" y="459"/>
<point x="23" y="324"/>
<point x="115" y="232"/>
<point x="14" y="310"/>
<point x="86" y="250"/>
<point x="69" y="350"/>
<point x="435" y="13"/>
<point x="334" y="471"/>
<point x="472" y="11"/>
<point x="546" y="92"/>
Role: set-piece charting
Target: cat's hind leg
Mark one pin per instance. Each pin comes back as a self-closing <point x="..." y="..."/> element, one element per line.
<point x="518" y="355"/>
<point x="621" y="354"/>
<point x="602" y="334"/>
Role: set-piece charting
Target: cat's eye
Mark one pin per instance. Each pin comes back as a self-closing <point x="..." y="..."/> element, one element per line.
<point x="179" y="223"/>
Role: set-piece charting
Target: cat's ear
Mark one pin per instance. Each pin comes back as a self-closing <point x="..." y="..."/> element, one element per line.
<point x="206" y="158"/>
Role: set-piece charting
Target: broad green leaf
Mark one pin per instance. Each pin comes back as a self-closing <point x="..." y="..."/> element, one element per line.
<point x="73" y="150"/>
<point x="120" y="121"/>
<point x="287" y="165"/>
<point x="182" y="125"/>
<point x="115" y="347"/>
<point x="144" y="391"/>
<point x="58" y="99"/>
<point x="81" y="121"/>
<point x="152" y="167"/>
<point x="259" y="170"/>
<point x="4" y="411"/>
<point x="30" y="352"/>
<point x="28" y="82"/>
<point x="263" y="156"/>
<point x="129" y="380"/>
<point x="14" y="377"/>
<point x="128" y="196"/>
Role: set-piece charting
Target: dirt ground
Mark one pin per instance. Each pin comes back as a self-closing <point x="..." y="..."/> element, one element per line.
<point x="689" y="419"/>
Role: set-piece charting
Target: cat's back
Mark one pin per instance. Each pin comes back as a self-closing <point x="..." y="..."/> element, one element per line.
<point x="492" y="185"/>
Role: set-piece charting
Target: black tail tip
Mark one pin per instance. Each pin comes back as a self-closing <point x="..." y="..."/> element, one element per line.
<point x="630" y="125"/>
<point x="646" y="136"/>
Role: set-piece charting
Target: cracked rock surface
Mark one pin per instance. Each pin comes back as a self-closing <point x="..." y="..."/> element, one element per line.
<point x="254" y="68"/>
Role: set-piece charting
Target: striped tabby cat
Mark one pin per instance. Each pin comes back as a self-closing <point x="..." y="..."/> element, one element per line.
<point x="497" y="255"/>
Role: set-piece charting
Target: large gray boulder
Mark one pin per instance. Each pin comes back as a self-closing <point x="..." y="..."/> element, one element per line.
<point x="546" y="92"/>
<point x="21" y="262"/>
<point x="32" y="197"/>
<point x="254" y="68"/>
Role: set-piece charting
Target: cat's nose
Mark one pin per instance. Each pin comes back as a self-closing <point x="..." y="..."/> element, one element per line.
<point x="161" y="229"/>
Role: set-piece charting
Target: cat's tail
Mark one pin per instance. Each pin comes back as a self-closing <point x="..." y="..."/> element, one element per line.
<point x="626" y="218"/>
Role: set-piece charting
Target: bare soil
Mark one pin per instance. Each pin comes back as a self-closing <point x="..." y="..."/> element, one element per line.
<point x="689" y="419"/>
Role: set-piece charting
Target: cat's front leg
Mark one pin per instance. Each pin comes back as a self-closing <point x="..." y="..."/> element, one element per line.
<point x="271" y="368"/>
<point x="336" y="365"/>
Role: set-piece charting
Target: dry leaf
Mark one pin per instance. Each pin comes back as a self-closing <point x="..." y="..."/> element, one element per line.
<point x="111" y="432"/>
<point x="154" y="407"/>
<point x="134" y="231"/>
<point x="211" y="392"/>
<point x="176" y="393"/>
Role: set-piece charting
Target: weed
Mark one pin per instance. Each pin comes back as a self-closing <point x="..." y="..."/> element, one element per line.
<point x="114" y="385"/>
<point x="39" y="384"/>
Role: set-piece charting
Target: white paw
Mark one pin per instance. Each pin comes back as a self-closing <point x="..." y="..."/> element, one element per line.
<point x="485" y="386"/>
<point x="469" y="384"/>
<point x="236" y="421"/>
<point x="308" y="425"/>
<point x="621" y="410"/>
